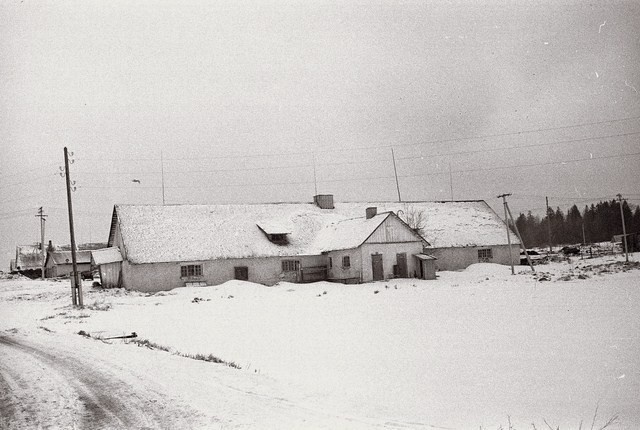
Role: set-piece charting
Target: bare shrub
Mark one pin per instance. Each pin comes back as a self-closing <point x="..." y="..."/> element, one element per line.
<point x="415" y="218"/>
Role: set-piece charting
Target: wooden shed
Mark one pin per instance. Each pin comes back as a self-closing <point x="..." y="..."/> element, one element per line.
<point x="109" y="263"/>
<point x="427" y="266"/>
<point x="59" y="263"/>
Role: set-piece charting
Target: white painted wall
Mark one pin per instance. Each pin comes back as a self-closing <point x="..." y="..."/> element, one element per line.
<point x="166" y="276"/>
<point x="392" y="230"/>
<point x="337" y="272"/>
<point x="389" y="258"/>
<point x="461" y="258"/>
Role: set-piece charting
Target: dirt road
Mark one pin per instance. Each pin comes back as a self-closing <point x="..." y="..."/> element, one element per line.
<point x="43" y="386"/>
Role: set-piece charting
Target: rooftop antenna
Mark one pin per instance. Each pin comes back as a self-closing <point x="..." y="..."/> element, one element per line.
<point x="395" y="171"/>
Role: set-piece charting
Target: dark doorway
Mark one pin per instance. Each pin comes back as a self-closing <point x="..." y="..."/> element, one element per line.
<point x="242" y="273"/>
<point x="403" y="271"/>
<point x="376" y="264"/>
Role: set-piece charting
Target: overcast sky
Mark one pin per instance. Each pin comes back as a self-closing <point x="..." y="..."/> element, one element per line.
<point x="242" y="99"/>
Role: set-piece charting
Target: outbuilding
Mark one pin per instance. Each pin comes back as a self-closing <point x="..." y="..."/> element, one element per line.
<point x="59" y="263"/>
<point x="28" y="261"/>
<point x="109" y="264"/>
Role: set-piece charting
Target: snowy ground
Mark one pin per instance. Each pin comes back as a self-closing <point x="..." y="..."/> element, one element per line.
<point x="468" y="350"/>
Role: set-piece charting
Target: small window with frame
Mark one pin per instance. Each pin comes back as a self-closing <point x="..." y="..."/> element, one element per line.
<point x="191" y="270"/>
<point x="485" y="255"/>
<point x="290" y="265"/>
<point x="346" y="262"/>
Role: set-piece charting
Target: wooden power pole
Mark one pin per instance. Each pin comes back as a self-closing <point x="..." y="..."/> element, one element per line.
<point x="522" y="245"/>
<point x="506" y="223"/>
<point x="548" y="224"/>
<point x="42" y="217"/>
<point x="508" y="216"/>
<point x="624" y="230"/>
<point x="76" y="286"/>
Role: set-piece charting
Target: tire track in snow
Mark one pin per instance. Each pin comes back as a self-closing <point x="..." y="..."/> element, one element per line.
<point x="83" y="396"/>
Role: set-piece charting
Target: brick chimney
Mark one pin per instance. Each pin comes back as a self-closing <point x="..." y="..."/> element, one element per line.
<point x="324" y="201"/>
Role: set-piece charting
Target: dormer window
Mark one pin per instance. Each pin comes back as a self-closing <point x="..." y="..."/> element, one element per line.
<point x="276" y="231"/>
<point x="278" y="238"/>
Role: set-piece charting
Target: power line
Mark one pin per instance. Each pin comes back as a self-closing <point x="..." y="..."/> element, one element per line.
<point x="458" y="139"/>
<point x="38" y="178"/>
<point x="533" y="145"/>
<point x="18" y="210"/>
<point x="546" y="163"/>
<point x="250" y="169"/>
<point x="368" y="178"/>
<point x="22" y="197"/>
<point x="28" y="170"/>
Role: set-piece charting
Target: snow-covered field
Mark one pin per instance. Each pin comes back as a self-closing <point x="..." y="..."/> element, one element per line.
<point x="474" y="348"/>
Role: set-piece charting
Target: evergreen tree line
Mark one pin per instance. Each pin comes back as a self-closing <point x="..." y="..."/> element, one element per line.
<point x="601" y="222"/>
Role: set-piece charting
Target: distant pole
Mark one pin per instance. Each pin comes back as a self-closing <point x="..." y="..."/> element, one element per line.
<point x="76" y="287"/>
<point x="624" y="230"/>
<point x="522" y="245"/>
<point x="548" y="225"/>
<point x="42" y="217"/>
<point x="584" y="237"/>
<point x="506" y="223"/>
<point x="315" y="180"/>
<point x="395" y="171"/>
<point x="451" y="181"/>
<point x="162" y="173"/>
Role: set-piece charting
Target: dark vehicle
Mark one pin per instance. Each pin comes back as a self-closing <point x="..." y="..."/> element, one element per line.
<point x="534" y="256"/>
<point x="570" y="250"/>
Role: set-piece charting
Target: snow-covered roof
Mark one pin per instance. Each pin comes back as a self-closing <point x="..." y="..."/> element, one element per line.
<point x="207" y="232"/>
<point x="446" y="224"/>
<point x="274" y="226"/>
<point x="28" y="257"/>
<point x="347" y="234"/>
<point x="106" y="255"/>
<point x="64" y="257"/>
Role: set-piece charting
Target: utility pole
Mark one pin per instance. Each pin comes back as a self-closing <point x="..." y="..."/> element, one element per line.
<point x="548" y="224"/>
<point x="162" y="173"/>
<point x="395" y="171"/>
<point x="42" y="217"/>
<point x="315" y="180"/>
<point x="76" y="286"/>
<point x="451" y="181"/>
<point x="506" y="223"/>
<point x="624" y="230"/>
<point x="522" y="245"/>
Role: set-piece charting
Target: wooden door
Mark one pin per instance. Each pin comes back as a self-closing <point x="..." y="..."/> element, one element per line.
<point x="403" y="271"/>
<point x="376" y="264"/>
